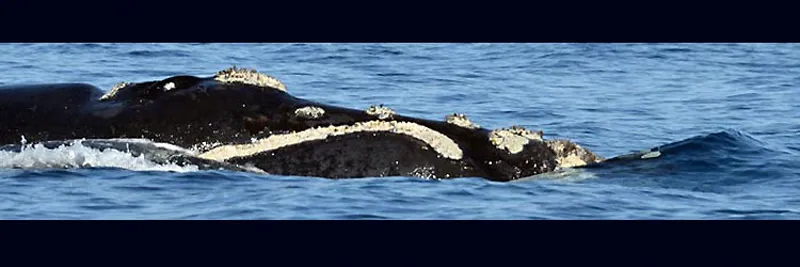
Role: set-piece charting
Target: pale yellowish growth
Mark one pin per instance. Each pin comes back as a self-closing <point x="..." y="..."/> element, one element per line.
<point x="570" y="154"/>
<point x="381" y="112"/>
<point x="114" y="90"/>
<point x="249" y="76"/>
<point x="438" y="141"/>
<point x="513" y="139"/>
<point x="461" y="120"/>
<point x="309" y="112"/>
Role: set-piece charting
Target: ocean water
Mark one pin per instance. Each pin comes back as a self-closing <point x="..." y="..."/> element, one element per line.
<point x="724" y="116"/>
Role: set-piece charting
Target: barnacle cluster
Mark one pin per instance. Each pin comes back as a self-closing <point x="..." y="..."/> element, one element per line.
<point x="309" y="112"/>
<point x="249" y="76"/>
<point x="461" y="120"/>
<point x="381" y="112"/>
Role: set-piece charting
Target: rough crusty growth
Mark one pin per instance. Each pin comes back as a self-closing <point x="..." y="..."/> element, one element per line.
<point x="461" y="120"/>
<point x="381" y="112"/>
<point x="513" y="139"/>
<point x="309" y="112"/>
<point x="114" y="90"/>
<point x="570" y="154"/>
<point x="439" y="142"/>
<point x="519" y="130"/>
<point x="249" y="76"/>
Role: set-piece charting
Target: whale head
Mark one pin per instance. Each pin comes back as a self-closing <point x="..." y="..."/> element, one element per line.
<point x="232" y="106"/>
<point x="246" y="117"/>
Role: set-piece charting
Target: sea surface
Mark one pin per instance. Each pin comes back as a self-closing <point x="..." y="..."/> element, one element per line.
<point x="725" y="116"/>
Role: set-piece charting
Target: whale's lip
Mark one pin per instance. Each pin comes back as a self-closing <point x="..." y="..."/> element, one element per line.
<point x="441" y="143"/>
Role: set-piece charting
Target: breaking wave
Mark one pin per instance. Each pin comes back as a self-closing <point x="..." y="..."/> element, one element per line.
<point x="76" y="154"/>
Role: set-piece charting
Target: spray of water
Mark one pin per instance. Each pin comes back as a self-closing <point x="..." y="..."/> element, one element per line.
<point x="76" y="155"/>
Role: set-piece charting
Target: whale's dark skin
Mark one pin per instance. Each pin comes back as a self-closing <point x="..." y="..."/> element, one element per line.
<point x="190" y="111"/>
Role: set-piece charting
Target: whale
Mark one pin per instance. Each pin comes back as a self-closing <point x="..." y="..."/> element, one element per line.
<point x="242" y="117"/>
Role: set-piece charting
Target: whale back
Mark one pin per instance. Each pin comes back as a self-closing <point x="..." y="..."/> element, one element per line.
<point x="24" y="109"/>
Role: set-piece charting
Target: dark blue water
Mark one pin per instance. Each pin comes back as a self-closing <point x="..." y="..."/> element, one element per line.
<point x="726" y="113"/>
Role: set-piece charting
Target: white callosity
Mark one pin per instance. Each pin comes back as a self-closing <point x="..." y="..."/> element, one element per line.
<point x="438" y="141"/>
<point x="249" y="76"/>
<point x="114" y="90"/>
<point x="461" y="120"/>
<point x="309" y="112"/>
<point x="513" y="139"/>
<point x="381" y="112"/>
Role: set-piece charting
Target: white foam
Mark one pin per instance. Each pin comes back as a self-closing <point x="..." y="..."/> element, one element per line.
<point x="76" y="155"/>
<point x="156" y="144"/>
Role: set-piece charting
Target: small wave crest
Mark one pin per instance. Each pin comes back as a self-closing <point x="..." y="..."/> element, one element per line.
<point x="75" y="154"/>
<point x="730" y="145"/>
<point x="714" y="162"/>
